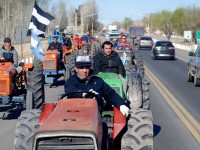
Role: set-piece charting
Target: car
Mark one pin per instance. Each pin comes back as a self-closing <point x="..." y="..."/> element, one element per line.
<point x="145" y="42"/>
<point x="163" y="49"/>
<point x="194" y="67"/>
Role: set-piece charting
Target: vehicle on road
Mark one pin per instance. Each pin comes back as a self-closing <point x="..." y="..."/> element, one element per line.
<point x="23" y="87"/>
<point x="77" y="123"/>
<point x="194" y="67"/>
<point x="145" y="42"/>
<point x="163" y="49"/>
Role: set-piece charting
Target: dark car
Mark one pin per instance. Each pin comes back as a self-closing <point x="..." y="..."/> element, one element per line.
<point x="163" y="49"/>
<point x="145" y="42"/>
<point x="194" y="67"/>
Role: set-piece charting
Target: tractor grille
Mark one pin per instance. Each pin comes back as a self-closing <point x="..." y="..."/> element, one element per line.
<point x="3" y="87"/>
<point x="65" y="143"/>
<point x="48" y="64"/>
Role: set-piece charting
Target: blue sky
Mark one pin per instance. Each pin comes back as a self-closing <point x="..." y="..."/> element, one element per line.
<point x="116" y="10"/>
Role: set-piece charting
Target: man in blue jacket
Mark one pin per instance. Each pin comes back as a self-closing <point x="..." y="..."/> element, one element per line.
<point x="85" y="80"/>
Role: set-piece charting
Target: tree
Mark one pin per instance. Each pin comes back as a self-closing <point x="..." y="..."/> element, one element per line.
<point x="127" y="23"/>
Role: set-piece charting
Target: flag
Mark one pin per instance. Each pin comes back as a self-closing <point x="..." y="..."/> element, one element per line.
<point x="39" y="21"/>
<point x="36" y="46"/>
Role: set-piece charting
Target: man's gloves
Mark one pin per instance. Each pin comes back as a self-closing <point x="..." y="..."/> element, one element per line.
<point x="93" y="91"/>
<point x="90" y="94"/>
<point x="124" y="110"/>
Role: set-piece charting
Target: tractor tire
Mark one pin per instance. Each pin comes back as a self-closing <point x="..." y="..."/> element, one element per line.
<point x="35" y="84"/>
<point x="29" y="100"/>
<point x="139" y="131"/>
<point x="130" y="68"/>
<point x="134" y="90"/>
<point x="27" y="124"/>
<point x="70" y="62"/>
<point x="145" y="95"/>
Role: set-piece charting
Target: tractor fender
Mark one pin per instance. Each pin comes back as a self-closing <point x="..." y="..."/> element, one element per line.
<point x="47" y="109"/>
<point x="119" y="122"/>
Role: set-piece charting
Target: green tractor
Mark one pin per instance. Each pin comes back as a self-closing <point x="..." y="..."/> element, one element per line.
<point x="137" y="88"/>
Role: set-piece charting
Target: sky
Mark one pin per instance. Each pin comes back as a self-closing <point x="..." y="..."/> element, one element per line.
<point x="117" y="10"/>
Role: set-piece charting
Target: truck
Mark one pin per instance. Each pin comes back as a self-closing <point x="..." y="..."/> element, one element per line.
<point x="136" y="31"/>
<point x="112" y="29"/>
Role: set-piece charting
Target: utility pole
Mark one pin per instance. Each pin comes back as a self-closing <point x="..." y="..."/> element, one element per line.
<point x="75" y="24"/>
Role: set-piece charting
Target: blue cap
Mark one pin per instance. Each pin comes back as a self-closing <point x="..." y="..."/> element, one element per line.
<point x="83" y="61"/>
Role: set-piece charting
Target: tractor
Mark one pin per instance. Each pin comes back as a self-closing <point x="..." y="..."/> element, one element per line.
<point x="52" y="65"/>
<point x="137" y="86"/>
<point x="76" y="122"/>
<point x="23" y="87"/>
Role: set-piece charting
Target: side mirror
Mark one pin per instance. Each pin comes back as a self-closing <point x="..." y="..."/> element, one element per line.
<point x="191" y="54"/>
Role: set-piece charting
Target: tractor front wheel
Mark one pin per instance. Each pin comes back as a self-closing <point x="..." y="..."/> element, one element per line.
<point x="139" y="131"/>
<point x="27" y="124"/>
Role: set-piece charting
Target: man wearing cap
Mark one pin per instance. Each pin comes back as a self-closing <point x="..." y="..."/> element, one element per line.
<point x="8" y="53"/>
<point x="85" y="80"/>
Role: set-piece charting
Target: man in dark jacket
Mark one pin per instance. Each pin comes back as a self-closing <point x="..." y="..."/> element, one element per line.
<point x="55" y="45"/>
<point x="8" y="52"/>
<point x="108" y="60"/>
<point x="85" y="80"/>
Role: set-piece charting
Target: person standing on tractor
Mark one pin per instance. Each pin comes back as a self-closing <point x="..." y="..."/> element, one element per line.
<point x="108" y="60"/>
<point x="123" y="42"/>
<point x="117" y="42"/>
<point x="78" y="41"/>
<point x="9" y="54"/>
<point x="85" y="80"/>
<point x="67" y="41"/>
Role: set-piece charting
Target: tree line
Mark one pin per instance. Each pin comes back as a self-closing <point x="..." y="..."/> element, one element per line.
<point x="16" y="14"/>
<point x="177" y="21"/>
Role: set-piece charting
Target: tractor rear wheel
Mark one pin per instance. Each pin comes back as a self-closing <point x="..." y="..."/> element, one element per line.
<point x="145" y="95"/>
<point x="70" y="61"/>
<point x="134" y="90"/>
<point x="27" y="124"/>
<point x="35" y="85"/>
<point x="139" y="131"/>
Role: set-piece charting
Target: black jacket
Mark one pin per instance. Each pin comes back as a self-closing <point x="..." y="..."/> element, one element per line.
<point x="74" y="83"/>
<point x="112" y="63"/>
<point x="58" y="46"/>
<point x="67" y="42"/>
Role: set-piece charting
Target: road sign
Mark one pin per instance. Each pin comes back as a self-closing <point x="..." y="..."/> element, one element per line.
<point x="198" y="35"/>
<point x="20" y="34"/>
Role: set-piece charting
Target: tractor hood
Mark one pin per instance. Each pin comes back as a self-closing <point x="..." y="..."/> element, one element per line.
<point x="73" y="114"/>
<point x="73" y="124"/>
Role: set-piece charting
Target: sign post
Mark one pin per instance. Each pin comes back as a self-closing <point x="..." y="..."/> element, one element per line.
<point x="20" y="35"/>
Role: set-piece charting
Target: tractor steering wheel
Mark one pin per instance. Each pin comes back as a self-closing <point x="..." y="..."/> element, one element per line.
<point x="82" y="94"/>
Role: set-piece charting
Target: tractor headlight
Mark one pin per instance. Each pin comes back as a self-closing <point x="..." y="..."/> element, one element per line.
<point x="53" y="56"/>
<point x="5" y="73"/>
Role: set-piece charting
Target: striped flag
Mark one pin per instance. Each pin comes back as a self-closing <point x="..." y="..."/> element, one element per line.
<point x="36" y="46"/>
<point x="39" y="22"/>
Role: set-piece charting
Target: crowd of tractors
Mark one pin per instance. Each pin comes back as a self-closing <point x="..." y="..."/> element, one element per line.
<point x="76" y="123"/>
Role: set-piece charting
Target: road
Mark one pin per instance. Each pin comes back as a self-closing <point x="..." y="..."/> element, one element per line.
<point x="171" y="131"/>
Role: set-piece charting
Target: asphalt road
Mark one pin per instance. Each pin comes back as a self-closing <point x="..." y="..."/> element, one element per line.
<point x="170" y="131"/>
<point x="170" y="128"/>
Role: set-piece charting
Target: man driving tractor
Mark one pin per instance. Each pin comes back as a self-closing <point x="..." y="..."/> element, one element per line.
<point x="84" y="78"/>
<point x="108" y="60"/>
<point x="9" y="54"/>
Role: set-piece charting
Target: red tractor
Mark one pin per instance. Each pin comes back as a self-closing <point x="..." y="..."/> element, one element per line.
<point x="80" y="123"/>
